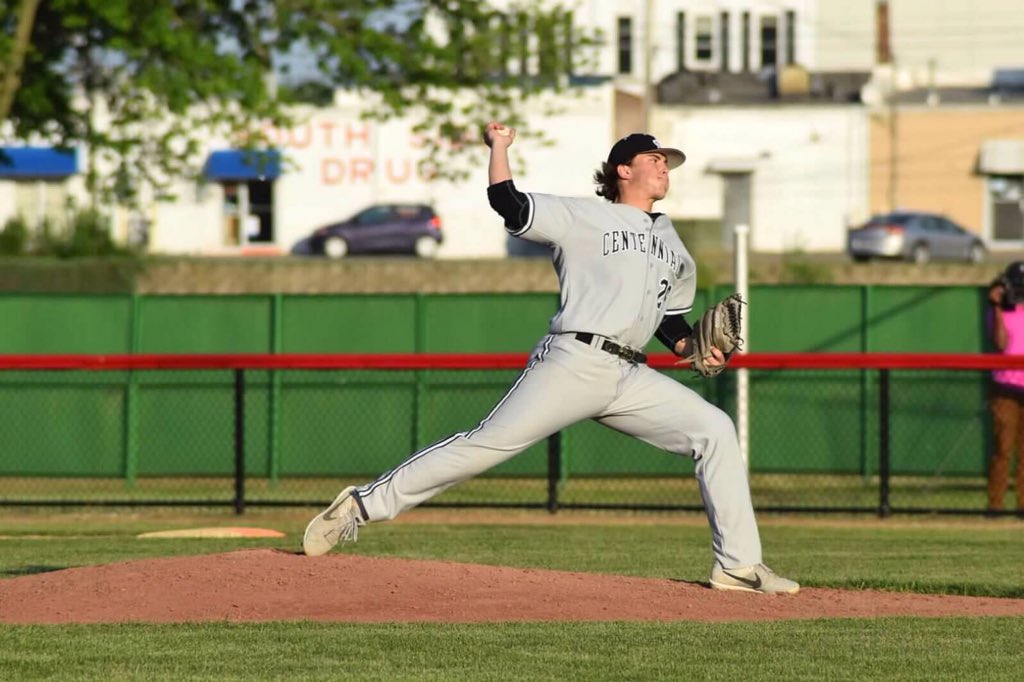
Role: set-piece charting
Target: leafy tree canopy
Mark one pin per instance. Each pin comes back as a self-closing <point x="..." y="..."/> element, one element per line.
<point x="141" y="83"/>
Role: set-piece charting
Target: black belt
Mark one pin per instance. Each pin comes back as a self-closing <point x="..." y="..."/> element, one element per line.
<point x="624" y="352"/>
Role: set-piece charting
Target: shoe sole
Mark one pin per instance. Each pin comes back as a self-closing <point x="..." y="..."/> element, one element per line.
<point x="743" y="588"/>
<point x="347" y="492"/>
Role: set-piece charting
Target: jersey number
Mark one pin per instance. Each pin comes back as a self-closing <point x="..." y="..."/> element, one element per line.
<point x="663" y="292"/>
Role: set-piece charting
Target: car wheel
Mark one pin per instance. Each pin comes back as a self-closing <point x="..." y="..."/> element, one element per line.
<point x="335" y="247"/>
<point x="920" y="254"/>
<point x="976" y="254"/>
<point x="426" y="247"/>
<point x="861" y="258"/>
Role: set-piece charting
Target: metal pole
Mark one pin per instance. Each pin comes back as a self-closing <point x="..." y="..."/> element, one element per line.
<point x="239" y="441"/>
<point x="554" y="469"/>
<point x="742" y="233"/>
<point x="884" y="506"/>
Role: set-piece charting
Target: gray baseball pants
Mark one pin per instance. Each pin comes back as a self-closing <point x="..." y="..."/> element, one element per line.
<point x="567" y="381"/>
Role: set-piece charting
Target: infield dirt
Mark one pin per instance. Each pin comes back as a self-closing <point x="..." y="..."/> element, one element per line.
<point x="269" y="584"/>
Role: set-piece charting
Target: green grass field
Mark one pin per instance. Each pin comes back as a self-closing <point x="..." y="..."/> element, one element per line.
<point x="968" y="556"/>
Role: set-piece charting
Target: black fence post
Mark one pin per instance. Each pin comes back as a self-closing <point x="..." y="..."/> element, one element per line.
<point x="884" y="506"/>
<point x="554" y="469"/>
<point x="239" y="441"/>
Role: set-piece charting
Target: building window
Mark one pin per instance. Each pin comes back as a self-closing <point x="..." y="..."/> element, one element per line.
<point x="769" y="41"/>
<point x="745" y="41"/>
<point x="790" y="37"/>
<point x="1007" y="196"/>
<point x="704" y="37"/>
<point x="681" y="41"/>
<point x="625" y="45"/>
<point x="723" y="31"/>
<point x="568" y="44"/>
<point x="523" y="41"/>
<point x="502" y="26"/>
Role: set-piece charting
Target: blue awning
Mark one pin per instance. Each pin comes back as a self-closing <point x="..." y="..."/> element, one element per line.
<point x="37" y="162"/>
<point x="238" y="164"/>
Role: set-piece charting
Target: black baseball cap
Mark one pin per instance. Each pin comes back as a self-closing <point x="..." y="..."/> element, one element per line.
<point x="1015" y="273"/>
<point x="625" y="149"/>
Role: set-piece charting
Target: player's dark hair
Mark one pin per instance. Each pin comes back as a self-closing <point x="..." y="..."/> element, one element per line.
<point x="607" y="179"/>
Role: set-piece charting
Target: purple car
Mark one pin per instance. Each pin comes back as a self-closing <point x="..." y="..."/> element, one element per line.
<point x="382" y="228"/>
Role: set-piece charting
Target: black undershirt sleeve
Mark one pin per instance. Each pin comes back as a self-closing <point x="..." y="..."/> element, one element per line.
<point x="510" y="204"/>
<point x="671" y="330"/>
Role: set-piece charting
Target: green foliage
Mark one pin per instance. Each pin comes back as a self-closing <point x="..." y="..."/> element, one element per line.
<point x="14" y="237"/>
<point x="797" y="267"/>
<point x="171" y="74"/>
<point x="87" y="234"/>
<point x="703" y="239"/>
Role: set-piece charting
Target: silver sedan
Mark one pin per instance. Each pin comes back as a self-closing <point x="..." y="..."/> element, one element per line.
<point x="914" y="236"/>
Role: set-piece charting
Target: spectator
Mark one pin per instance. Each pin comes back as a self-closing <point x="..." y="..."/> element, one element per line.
<point x="1006" y="398"/>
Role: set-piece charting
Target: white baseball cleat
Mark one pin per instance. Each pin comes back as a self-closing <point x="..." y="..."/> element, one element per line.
<point x="757" y="578"/>
<point x="339" y="522"/>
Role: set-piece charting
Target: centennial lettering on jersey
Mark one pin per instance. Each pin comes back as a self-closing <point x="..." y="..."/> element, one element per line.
<point x="617" y="241"/>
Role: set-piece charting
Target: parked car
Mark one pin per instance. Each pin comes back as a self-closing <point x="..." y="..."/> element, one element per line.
<point x="381" y="228"/>
<point x="915" y="236"/>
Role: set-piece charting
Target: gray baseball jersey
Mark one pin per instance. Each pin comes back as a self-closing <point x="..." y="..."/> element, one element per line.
<point x="620" y="271"/>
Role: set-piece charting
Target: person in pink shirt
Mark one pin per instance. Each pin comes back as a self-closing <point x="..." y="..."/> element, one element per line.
<point x="1006" y="398"/>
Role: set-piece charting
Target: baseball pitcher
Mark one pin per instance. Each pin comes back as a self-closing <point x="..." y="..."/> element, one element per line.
<point x="625" y="276"/>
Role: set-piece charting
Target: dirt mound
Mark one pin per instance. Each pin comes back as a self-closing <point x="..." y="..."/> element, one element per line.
<point x="265" y="584"/>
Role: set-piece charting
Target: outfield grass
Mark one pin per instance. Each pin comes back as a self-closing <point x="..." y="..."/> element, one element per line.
<point x="979" y="557"/>
<point x="884" y="649"/>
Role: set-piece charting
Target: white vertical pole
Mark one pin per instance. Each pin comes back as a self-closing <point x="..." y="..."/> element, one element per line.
<point x="742" y="232"/>
<point x="243" y="213"/>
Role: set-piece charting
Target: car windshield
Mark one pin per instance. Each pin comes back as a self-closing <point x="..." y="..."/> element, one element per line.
<point x="890" y="219"/>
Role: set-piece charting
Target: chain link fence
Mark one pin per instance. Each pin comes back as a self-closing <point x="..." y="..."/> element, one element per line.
<point x="229" y="431"/>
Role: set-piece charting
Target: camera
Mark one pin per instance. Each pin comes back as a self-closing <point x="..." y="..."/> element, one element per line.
<point x="1012" y="281"/>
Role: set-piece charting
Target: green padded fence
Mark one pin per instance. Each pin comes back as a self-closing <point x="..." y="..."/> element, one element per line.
<point x="149" y="423"/>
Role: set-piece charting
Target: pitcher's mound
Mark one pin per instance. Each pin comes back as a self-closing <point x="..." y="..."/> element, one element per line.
<point x="265" y="584"/>
<point x="216" y="532"/>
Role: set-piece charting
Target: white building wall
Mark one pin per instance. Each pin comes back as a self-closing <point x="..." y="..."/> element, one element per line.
<point x="336" y="163"/>
<point x="810" y="169"/>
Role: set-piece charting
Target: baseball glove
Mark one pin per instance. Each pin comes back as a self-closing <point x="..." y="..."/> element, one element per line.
<point x="718" y="327"/>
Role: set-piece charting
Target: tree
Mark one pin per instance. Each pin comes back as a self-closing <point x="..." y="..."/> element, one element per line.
<point x="140" y="83"/>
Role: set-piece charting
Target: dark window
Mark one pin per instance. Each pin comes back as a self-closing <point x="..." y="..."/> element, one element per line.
<point x="567" y="42"/>
<point x="704" y="38"/>
<point x="523" y="40"/>
<point x="790" y="37"/>
<point x="681" y="41"/>
<point x="374" y="216"/>
<point x="504" y="44"/>
<point x="625" y="45"/>
<point x="769" y="41"/>
<point x="723" y="30"/>
<point x="1007" y="220"/>
<point x="745" y="41"/>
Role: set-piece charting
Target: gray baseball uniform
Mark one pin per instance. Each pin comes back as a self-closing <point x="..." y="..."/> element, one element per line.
<point x="621" y="270"/>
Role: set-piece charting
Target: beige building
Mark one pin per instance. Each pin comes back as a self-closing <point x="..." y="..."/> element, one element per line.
<point x="962" y="160"/>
